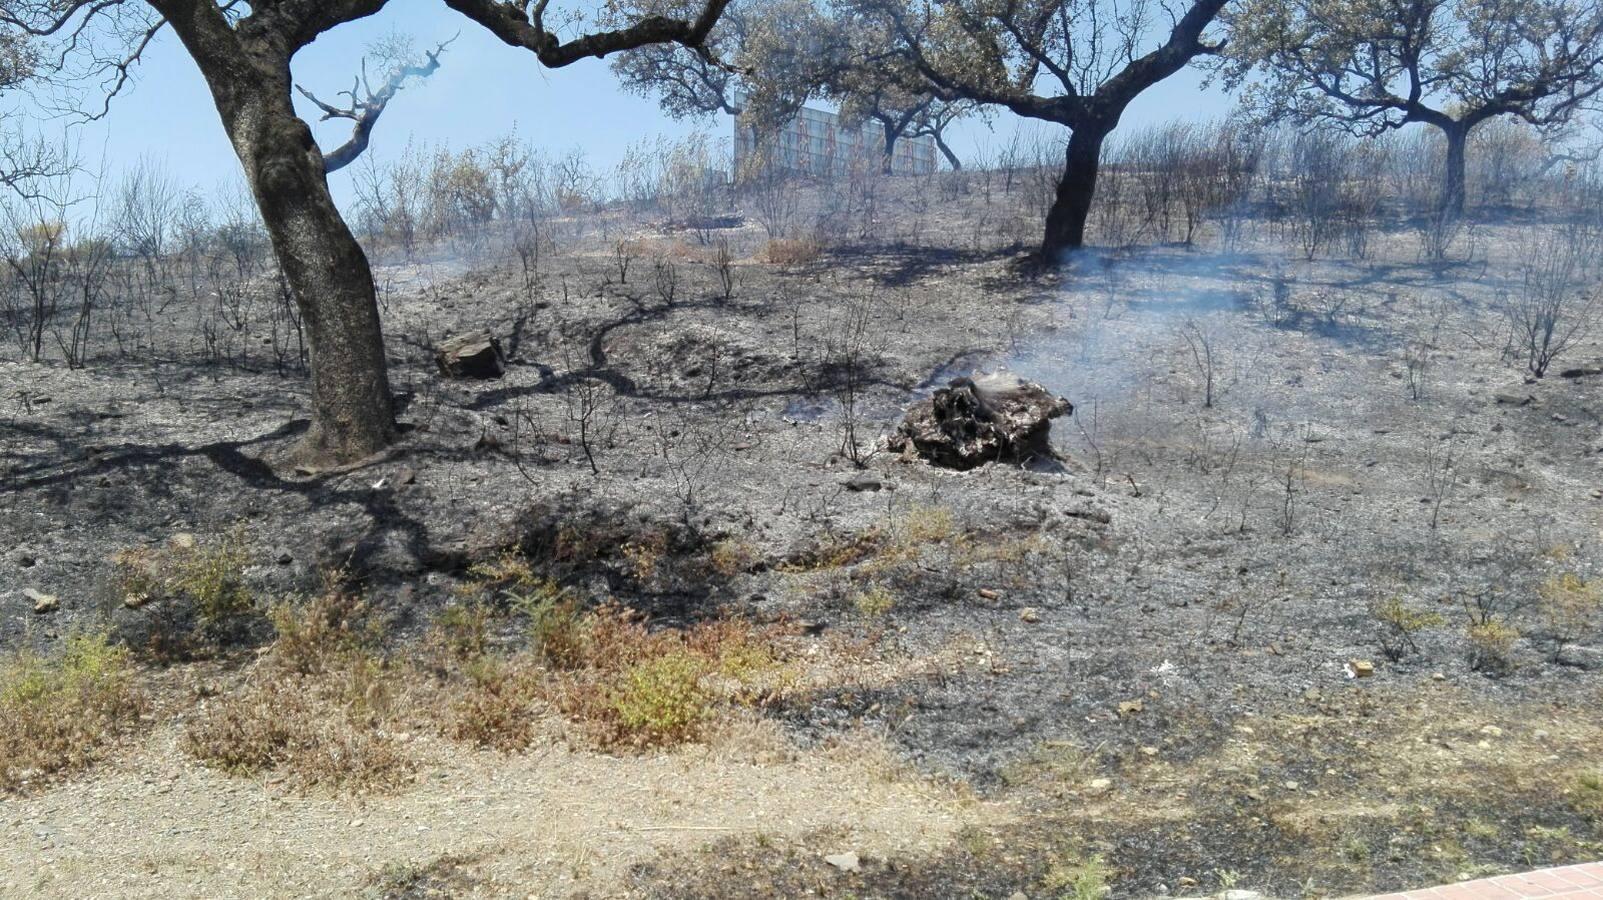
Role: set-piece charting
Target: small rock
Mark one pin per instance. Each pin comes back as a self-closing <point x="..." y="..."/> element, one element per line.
<point x="846" y="862"/>
<point x="1492" y="731"/>
<point x="284" y="557"/>
<point x="1029" y="615"/>
<point x="406" y="475"/>
<point x="473" y="355"/>
<point x="1438" y="676"/>
<point x="1360" y="668"/>
<point x="1130" y="708"/>
<point x="42" y="602"/>
<point x="863" y="482"/>
<point x="1517" y="396"/>
<point x="183" y="540"/>
<point x="1100" y="784"/>
<point x="1018" y="895"/>
<point x="135" y="601"/>
<point x="988" y="594"/>
<point x="1089" y="514"/>
<point x="1149" y="751"/>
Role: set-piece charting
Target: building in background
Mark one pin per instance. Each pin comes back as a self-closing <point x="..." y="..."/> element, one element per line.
<point x="817" y="143"/>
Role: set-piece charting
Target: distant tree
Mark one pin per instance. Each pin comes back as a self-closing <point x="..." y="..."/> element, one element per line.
<point x="244" y="52"/>
<point x="759" y="62"/>
<point x="1078" y="63"/>
<point x="769" y="58"/>
<point x="1371" y="66"/>
<point x="869" y="81"/>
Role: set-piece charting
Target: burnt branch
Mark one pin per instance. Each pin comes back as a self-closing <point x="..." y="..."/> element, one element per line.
<point x="367" y="104"/>
<point x="523" y="25"/>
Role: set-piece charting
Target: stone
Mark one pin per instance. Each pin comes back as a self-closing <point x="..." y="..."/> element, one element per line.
<point x="1131" y="707"/>
<point x="1029" y="615"/>
<point x="1089" y="513"/>
<point x="863" y="482"/>
<point x="988" y="594"/>
<point x="1581" y="372"/>
<point x="1516" y="396"/>
<point x="995" y="417"/>
<point x="476" y="354"/>
<point x="1360" y="668"/>
<point x="42" y="602"/>
<point x="1100" y="784"/>
<point x="183" y="540"/>
<point x="846" y="862"/>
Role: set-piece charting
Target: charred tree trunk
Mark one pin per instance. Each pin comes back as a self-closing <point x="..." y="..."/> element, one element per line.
<point x="1453" y="190"/>
<point x="951" y="158"/>
<point x="892" y="133"/>
<point x="1065" y="221"/>
<point x="352" y="408"/>
<point x="352" y="411"/>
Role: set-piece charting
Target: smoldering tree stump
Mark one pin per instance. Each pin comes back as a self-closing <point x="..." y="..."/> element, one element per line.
<point x="473" y="355"/>
<point x="996" y="417"/>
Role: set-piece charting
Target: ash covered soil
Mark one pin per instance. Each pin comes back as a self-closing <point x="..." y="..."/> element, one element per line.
<point x="1175" y="665"/>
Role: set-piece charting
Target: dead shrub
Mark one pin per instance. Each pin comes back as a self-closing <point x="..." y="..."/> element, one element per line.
<point x="333" y="730"/>
<point x="1571" y="606"/>
<point x="1491" y="647"/>
<point x="792" y="251"/>
<point x="317" y="635"/>
<point x="500" y="708"/>
<point x="59" y="714"/>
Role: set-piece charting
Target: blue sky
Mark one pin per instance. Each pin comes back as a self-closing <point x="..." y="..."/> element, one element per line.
<point x="483" y="90"/>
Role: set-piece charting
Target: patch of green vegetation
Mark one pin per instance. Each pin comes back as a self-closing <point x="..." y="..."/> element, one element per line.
<point x="59" y="714"/>
<point x="874" y="601"/>
<point x="1078" y="877"/>
<point x="661" y="700"/>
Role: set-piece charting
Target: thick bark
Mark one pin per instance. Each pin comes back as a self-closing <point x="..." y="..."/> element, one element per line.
<point x="951" y="158"/>
<point x="892" y="134"/>
<point x="352" y="408"/>
<point x="1065" y="221"/>
<point x="1452" y="200"/>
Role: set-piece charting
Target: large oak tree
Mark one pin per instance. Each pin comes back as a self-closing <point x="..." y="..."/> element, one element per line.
<point x="244" y="52"/>
<point x="1077" y="63"/>
<point x="1375" y="65"/>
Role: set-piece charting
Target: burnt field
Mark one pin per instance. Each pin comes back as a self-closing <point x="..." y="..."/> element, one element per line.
<point x="1309" y="604"/>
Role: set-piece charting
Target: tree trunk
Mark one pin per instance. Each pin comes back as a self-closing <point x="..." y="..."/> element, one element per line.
<point x="892" y="133"/>
<point x="353" y="413"/>
<point x="1065" y="222"/>
<point x="1452" y="200"/>
<point x="951" y="158"/>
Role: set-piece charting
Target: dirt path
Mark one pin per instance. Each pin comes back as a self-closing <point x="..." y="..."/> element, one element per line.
<point x="545" y="824"/>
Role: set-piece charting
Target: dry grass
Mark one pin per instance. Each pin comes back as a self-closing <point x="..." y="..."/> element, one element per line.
<point x="61" y="714"/>
<point x="792" y="251"/>
<point x="321" y="707"/>
<point x="324" y="731"/>
<point x="621" y="683"/>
